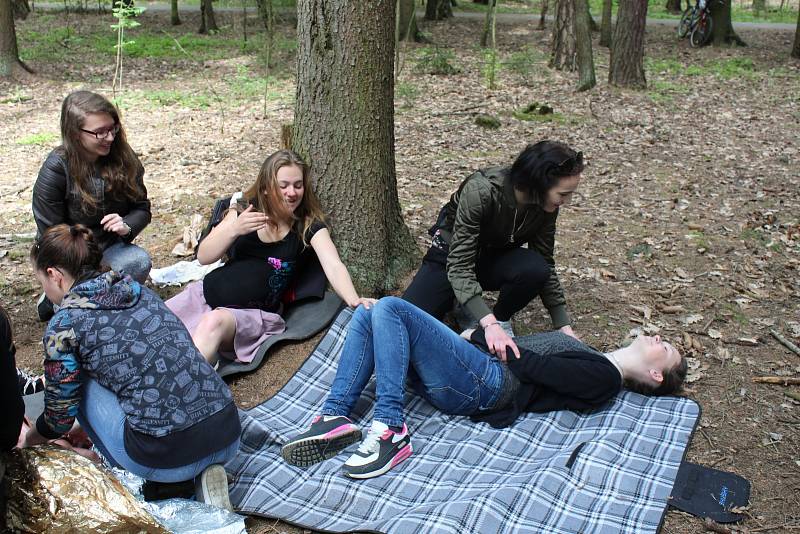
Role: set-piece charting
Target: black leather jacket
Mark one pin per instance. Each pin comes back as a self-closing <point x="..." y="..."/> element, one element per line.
<point x="55" y="202"/>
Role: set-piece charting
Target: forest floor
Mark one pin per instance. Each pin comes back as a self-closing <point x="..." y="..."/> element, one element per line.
<point x="687" y="221"/>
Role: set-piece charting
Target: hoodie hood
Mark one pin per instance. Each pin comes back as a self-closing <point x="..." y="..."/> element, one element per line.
<point x="108" y="291"/>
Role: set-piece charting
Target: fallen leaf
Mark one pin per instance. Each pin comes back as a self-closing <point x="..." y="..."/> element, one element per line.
<point x="680" y="272"/>
<point x="644" y="310"/>
<point x="714" y="334"/>
<point x="691" y="319"/>
<point x="671" y="309"/>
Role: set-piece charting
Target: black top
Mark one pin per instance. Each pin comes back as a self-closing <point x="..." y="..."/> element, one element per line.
<point x="56" y="201"/>
<point x="10" y="398"/>
<point x="258" y="274"/>
<point x="556" y="372"/>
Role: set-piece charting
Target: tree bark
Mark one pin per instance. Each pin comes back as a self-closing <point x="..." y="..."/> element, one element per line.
<point x="796" y="47"/>
<point x="605" y="24"/>
<point x="674" y="6"/>
<point x="407" y="29"/>
<point x="208" y="23"/>
<point x="488" y="24"/>
<point x="722" y="31"/>
<point x="627" y="52"/>
<point x="438" y="9"/>
<point x="583" y="43"/>
<point x="344" y="127"/>
<point x="759" y="6"/>
<point x="543" y="14"/>
<point x="10" y="64"/>
<point x="562" y="50"/>
<point x="175" y="18"/>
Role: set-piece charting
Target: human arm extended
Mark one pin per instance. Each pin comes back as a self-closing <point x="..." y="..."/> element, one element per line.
<point x="552" y="293"/>
<point x="335" y="270"/>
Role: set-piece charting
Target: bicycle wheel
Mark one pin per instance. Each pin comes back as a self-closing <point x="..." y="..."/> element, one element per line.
<point x="701" y="32"/>
<point x="686" y="23"/>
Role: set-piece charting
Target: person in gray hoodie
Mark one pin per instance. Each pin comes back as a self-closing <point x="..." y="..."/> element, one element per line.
<point x="118" y="360"/>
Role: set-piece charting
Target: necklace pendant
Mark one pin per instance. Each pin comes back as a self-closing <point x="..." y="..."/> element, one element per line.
<point x="512" y="239"/>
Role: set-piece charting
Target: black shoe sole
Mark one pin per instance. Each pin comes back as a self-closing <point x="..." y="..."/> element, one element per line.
<point x="310" y="451"/>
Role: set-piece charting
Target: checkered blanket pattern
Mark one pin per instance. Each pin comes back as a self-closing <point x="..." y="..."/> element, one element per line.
<point x="563" y="472"/>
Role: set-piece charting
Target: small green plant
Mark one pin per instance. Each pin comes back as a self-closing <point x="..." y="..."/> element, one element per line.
<point x="437" y="60"/>
<point x="490" y="67"/>
<point x="124" y="12"/>
<point x="487" y="121"/>
<point x="537" y="112"/>
<point x="736" y="67"/>
<point x="641" y="249"/>
<point x="44" y="138"/>
<point x="407" y="92"/>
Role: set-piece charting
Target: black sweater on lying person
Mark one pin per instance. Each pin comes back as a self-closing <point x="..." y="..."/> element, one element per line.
<point x="556" y="372"/>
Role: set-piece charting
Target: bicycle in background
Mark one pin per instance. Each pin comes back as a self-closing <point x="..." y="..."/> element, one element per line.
<point x="697" y="23"/>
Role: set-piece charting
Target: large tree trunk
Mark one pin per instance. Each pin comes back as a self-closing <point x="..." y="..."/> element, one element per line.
<point x="438" y="9"/>
<point x="562" y="49"/>
<point x="796" y="47"/>
<point x="344" y="127"/>
<point x="722" y="31"/>
<point x="208" y="23"/>
<point x="674" y="6"/>
<point x="407" y="29"/>
<point x="21" y="9"/>
<point x="10" y="64"/>
<point x="605" y="24"/>
<point x="627" y="52"/>
<point x="175" y="18"/>
<point x="543" y="14"/>
<point x="583" y="40"/>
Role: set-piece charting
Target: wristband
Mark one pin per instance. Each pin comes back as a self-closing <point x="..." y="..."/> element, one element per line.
<point x="490" y="324"/>
<point x="127" y="227"/>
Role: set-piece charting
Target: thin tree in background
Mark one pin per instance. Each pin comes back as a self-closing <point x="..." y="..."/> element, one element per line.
<point x="543" y="13"/>
<point x="10" y="64"/>
<point x="583" y="45"/>
<point x="208" y="22"/>
<point x="438" y="9"/>
<point x="267" y="14"/>
<point x="407" y="29"/>
<point x="563" y="55"/>
<point x="175" y="18"/>
<point x="488" y="24"/>
<point x="491" y="65"/>
<point x="796" y="47"/>
<point x="344" y="127"/>
<point x="605" y="24"/>
<point x="627" y="51"/>
<point x="722" y="32"/>
<point x="674" y="7"/>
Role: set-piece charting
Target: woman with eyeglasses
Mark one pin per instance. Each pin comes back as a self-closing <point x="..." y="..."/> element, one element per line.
<point x="94" y="178"/>
<point x="478" y="237"/>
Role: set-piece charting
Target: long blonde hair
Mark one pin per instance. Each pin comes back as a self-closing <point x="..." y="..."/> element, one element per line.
<point x="120" y="167"/>
<point x="266" y="194"/>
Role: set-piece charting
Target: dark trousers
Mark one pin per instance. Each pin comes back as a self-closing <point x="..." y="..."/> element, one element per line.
<point x="518" y="273"/>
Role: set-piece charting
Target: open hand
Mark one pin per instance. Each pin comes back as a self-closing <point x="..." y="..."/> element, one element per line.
<point x="249" y="221"/>
<point x="113" y="223"/>
<point x="366" y="302"/>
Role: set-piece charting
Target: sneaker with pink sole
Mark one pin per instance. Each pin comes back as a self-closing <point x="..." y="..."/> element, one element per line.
<point x="379" y="452"/>
<point x="325" y="438"/>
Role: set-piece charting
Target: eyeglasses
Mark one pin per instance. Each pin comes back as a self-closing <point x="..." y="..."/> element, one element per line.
<point x="103" y="134"/>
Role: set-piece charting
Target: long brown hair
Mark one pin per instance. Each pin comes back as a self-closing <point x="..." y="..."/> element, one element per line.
<point x="119" y="168"/>
<point x="267" y="198"/>
<point x="71" y="249"/>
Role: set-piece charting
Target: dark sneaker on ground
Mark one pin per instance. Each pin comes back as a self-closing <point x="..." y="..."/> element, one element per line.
<point x="44" y="308"/>
<point x="380" y="451"/>
<point x="28" y="384"/>
<point x="325" y="438"/>
<point x="211" y="487"/>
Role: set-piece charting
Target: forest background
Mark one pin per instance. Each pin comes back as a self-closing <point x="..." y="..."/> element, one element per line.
<point x="689" y="204"/>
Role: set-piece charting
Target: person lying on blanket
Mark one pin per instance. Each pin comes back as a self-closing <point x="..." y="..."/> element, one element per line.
<point x="235" y="308"/>
<point x="122" y="364"/>
<point x="457" y="375"/>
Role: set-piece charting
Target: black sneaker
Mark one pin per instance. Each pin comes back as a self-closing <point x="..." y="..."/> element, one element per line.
<point x="211" y="487"/>
<point x="324" y="439"/>
<point x="28" y="384"/>
<point x="44" y="308"/>
<point x="380" y="451"/>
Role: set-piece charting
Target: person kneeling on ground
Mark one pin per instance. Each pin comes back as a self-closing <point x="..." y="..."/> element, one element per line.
<point x="121" y="363"/>
<point x="235" y="308"/>
<point x="477" y="243"/>
<point x="397" y="340"/>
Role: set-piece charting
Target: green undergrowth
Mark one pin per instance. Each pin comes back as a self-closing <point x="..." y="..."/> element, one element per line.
<point x="44" y="138"/>
<point x="725" y="69"/>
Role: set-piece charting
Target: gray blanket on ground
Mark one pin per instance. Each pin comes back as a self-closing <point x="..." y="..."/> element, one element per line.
<point x="610" y="470"/>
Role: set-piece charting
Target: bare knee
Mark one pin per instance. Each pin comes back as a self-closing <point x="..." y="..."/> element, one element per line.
<point x="216" y="328"/>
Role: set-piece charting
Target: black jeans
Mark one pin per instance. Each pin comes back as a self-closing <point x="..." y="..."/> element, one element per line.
<point x="518" y="273"/>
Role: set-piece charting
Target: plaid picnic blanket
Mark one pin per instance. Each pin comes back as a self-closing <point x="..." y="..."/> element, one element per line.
<point x="611" y="470"/>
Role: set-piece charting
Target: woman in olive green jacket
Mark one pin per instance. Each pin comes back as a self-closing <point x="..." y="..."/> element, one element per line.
<point x="478" y="238"/>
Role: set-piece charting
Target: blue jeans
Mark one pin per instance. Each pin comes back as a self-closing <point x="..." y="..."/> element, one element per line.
<point x="101" y="416"/>
<point x="395" y="339"/>
<point x="129" y="258"/>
